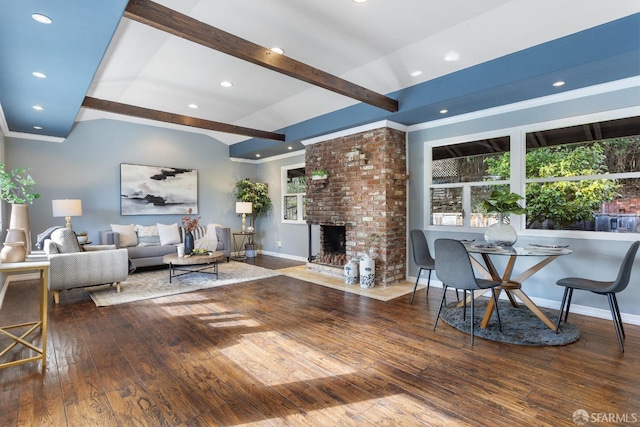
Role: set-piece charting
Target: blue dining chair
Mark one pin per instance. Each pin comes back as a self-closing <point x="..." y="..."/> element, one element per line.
<point x="610" y="289"/>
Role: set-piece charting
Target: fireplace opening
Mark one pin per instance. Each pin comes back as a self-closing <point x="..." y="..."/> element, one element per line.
<point x="333" y="245"/>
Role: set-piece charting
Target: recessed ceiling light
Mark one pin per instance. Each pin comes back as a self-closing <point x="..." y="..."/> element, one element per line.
<point x="278" y="50"/>
<point x="39" y="75"/>
<point x="43" y="19"/>
<point x="444" y="111"/>
<point x="37" y="127"/>
<point x="194" y="106"/>
<point x="451" y="56"/>
<point x="416" y="73"/>
<point x="257" y="155"/>
<point x="290" y="147"/>
<point x="558" y="83"/>
<point x="360" y="1"/>
<point x="226" y="84"/>
<point x="38" y="107"/>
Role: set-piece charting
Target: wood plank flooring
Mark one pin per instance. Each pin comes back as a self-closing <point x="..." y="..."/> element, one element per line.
<point x="282" y="351"/>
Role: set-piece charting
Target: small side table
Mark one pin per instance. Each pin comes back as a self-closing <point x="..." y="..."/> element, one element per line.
<point x="239" y="250"/>
<point x="41" y="352"/>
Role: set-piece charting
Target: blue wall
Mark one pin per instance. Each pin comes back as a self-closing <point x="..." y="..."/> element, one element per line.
<point x="86" y="166"/>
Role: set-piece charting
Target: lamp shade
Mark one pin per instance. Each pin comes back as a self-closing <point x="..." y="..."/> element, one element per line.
<point x="67" y="207"/>
<point x="243" y="207"/>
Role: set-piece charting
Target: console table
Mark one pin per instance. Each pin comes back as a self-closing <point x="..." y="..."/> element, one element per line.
<point x="41" y="352"/>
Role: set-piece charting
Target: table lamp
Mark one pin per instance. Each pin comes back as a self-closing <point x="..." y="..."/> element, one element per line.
<point x="244" y="208"/>
<point x="67" y="208"/>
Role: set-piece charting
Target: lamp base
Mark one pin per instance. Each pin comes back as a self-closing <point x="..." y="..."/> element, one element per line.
<point x="68" y="219"/>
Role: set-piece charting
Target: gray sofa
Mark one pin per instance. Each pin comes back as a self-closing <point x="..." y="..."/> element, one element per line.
<point x="151" y="255"/>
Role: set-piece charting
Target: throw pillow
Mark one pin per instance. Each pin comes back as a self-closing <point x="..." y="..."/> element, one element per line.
<point x="127" y="235"/>
<point x="147" y="235"/>
<point x="169" y="234"/>
<point x="66" y="241"/>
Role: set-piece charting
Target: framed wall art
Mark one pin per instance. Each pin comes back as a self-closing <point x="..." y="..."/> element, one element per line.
<point x="157" y="190"/>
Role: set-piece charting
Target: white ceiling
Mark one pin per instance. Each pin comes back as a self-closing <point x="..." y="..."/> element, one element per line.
<point x="375" y="44"/>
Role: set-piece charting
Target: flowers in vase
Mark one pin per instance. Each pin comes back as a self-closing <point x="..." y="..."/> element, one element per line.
<point x="188" y="223"/>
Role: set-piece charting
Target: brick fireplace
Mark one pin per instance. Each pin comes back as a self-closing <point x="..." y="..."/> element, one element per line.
<point x="363" y="196"/>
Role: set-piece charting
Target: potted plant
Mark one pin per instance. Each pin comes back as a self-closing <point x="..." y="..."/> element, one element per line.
<point x="257" y="193"/>
<point x="502" y="202"/>
<point x="319" y="174"/>
<point x="83" y="237"/>
<point x="17" y="188"/>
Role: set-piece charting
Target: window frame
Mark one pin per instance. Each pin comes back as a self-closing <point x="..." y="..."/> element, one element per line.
<point x="518" y="180"/>
<point x="300" y="196"/>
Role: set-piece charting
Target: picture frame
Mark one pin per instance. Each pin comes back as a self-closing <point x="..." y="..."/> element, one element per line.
<point x="157" y="190"/>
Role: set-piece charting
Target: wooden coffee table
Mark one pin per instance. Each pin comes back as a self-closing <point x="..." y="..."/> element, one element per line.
<point x="193" y="263"/>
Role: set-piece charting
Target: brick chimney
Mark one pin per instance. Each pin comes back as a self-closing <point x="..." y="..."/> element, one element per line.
<point x="365" y="192"/>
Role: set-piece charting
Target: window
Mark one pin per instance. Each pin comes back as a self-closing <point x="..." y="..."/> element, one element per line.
<point x="584" y="177"/>
<point x="294" y="188"/>
<point x="461" y="180"/>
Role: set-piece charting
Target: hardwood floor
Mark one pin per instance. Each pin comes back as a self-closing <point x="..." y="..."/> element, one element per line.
<point x="282" y="351"/>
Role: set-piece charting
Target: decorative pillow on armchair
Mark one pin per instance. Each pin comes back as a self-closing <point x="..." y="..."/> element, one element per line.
<point x="66" y="241"/>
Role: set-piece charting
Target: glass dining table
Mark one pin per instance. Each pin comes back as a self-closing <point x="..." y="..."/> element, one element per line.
<point x="512" y="286"/>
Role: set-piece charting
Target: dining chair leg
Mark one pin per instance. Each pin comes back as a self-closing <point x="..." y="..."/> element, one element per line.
<point x="416" y="285"/>
<point x="444" y="294"/>
<point x="429" y="283"/>
<point x="615" y="320"/>
<point x="615" y="303"/>
<point x="472" y="315"/>
<point x="564" y="300"/>
<point x="566" y="314"/>
<point x="464" y="303"/>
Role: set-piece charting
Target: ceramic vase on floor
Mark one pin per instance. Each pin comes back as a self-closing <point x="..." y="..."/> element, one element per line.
<point x="500" y="233"/>
<point x="351" y="272"/>
<point x="367" y="272"/>
<point x="20" y="220"/>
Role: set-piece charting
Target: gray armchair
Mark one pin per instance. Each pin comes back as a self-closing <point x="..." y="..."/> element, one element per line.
<point x="72" y="266"/>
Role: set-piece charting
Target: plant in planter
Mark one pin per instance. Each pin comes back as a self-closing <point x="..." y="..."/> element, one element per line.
<point x="257" y="193"/>
<point x="502" y="202"/>
<point x="82" y="236"/>
<point x="319" y="174"/>
<point x="17" y="188"/>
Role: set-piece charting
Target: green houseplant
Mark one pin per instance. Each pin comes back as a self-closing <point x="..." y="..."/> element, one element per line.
<point x="257" y="193"/>
<point x="17" y="188"/>
<point x="319" y="174"/>
<point x="502" y="202"/>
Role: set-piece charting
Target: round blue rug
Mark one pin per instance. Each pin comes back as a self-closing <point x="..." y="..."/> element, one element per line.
<point x="519" y="325"/>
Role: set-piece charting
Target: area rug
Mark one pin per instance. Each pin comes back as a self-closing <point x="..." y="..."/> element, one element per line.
<point x="155" y="283"/>
<point x="382" y="293"/>
<point x="519" y="325"/>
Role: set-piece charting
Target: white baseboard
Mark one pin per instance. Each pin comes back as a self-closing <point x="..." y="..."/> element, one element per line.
<point x="631" y="319"/>
<point x="280" y="255"/>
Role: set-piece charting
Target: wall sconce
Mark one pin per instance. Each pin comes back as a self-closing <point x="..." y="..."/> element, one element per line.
<point x="67" y="208"/>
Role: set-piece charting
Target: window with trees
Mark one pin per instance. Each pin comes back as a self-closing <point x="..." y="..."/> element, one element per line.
<point x="584" y="177"/>
<point x="294" y="188"/>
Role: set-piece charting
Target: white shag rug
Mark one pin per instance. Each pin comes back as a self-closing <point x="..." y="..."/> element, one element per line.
<point x="155" y="283"/>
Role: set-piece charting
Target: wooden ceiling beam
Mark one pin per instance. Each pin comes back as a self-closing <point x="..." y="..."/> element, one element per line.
<point x="178" y="24"/>
<point x="146" y="113"/>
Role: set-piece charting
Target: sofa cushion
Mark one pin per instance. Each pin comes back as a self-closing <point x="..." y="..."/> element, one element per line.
<point x="150" y="251"/>
<point x="66" y="241"/>
<point x="127" y="234"/>
<point x="169" y="234"/>
<point x="147" y="235"/>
